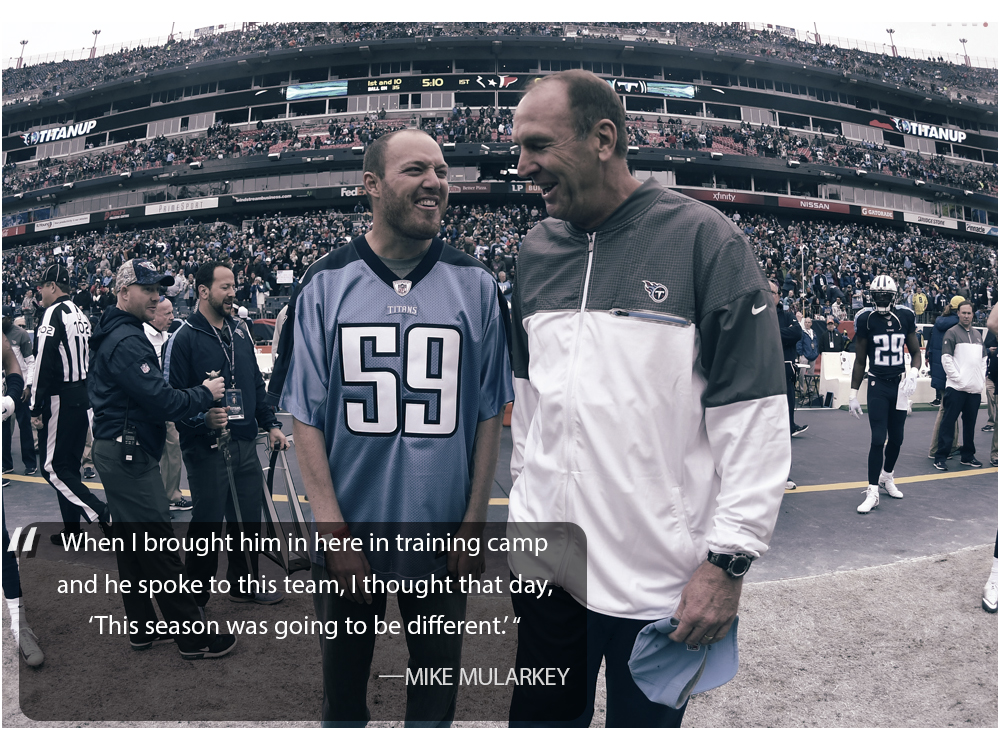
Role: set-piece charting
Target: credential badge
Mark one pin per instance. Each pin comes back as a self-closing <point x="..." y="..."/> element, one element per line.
<point x="402" y="287"/>
<point x="656" y="292"/>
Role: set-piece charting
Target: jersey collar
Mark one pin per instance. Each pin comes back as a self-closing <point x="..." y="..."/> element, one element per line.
<point x="382" y="271"/>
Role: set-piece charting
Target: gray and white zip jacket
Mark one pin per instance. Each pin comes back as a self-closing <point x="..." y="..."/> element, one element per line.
<point x="964" y="359"/>
<point x="650" y="400"/>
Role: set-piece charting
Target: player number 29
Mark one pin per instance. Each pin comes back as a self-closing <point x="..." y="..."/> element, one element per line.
<point x="889" y="349"/>
<point x="431" y="357"/>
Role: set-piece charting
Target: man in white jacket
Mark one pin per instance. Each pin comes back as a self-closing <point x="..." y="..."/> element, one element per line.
<point x="158" y="331"/>
<point x="964" y="360"/>
<point x="650" y="414"/>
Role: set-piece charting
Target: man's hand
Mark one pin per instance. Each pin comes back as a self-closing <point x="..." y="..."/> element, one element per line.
<point x="217" y="386"/>
<point x="277" y="439"/>
<point x="217" y="417"/>
<point x="855" y="407"/>
<point x="37" y="422"/>
<point x="909" y="386"/>
<point x="462" y="563"/>
<point x="708" y="606"/>
<point x="349" y="569"/>
<point x="26" y="395"/>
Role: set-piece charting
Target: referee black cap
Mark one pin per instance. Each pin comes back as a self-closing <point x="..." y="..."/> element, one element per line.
<point x="56" y="273"/>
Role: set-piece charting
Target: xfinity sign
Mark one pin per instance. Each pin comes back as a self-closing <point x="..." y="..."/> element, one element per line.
<point x="61" y="133"/>
<point x="921" y="130"/>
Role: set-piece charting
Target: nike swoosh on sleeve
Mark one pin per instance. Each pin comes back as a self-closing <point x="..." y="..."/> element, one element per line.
<point x="758" y="310"/>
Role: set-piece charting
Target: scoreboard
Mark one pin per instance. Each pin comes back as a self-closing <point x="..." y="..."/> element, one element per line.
<point x="470" y="82"/>
<point x="403" y="84"/>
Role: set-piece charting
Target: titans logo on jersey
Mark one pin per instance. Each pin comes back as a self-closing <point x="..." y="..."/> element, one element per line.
<point x="886" y="336"/>
<point x="399" y="387"/>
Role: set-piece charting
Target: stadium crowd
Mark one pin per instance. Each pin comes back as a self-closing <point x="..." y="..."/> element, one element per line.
<point x="837" y="261"/>
<point x="493" y="125"/>
<point x="220" y="141"/>
<point x="840" y="258"/>
<point x="933" y="75"/>
<point x="936" y="76"/>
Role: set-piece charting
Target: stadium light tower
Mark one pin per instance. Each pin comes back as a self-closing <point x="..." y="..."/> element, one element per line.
<point x="892" y="44"/>
<point x="93" y="50"/>
<point x="965" y="53"/>
<point x="20" y="60"/>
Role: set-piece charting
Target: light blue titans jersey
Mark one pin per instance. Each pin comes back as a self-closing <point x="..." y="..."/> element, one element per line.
<point x="398" y="373"/>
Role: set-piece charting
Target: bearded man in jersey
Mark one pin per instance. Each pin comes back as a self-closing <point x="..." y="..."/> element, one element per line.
<point x="880" y="334"/>
<point x="397" y="383"/>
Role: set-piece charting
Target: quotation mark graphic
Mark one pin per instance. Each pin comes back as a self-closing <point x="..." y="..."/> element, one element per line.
<point x="29" y="545"/>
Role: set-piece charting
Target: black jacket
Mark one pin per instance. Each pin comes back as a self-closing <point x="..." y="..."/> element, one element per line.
<point x="831" y="341"/>
<point x="791" y="334"/>
<point x="991" y="357"/>
<point x="125" y="373"/>
<point x="192" y="352"/>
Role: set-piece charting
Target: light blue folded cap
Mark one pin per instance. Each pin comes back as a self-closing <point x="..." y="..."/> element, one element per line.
<point x="668" y="672"/>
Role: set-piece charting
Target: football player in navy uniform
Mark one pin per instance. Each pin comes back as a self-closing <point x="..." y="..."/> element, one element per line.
<point x="880" y="333"/>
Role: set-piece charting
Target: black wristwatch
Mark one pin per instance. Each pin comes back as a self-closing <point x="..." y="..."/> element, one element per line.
<point x="736" y="566"/>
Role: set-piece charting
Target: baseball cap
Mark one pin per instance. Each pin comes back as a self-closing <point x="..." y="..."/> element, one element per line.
<point x="141" y="271"/>
<point x="56" y="273"/>
<point x="957" y="300"/>
<point x="669" y="673"/>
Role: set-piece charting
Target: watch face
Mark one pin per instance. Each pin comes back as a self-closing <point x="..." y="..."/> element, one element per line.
<point x="739" y="566"/>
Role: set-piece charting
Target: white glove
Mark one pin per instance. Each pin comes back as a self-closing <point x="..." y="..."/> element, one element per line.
<point x="853" y="406"/>
<point x="8" y="408"/>
<point x="910" y="383"/>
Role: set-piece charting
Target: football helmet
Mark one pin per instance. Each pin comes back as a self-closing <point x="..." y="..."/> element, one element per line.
<point x="883" y="293"/>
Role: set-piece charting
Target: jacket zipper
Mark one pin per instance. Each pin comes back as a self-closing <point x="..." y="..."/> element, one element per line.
<point x="674" y="320"/>
<point x="591" y="242"/>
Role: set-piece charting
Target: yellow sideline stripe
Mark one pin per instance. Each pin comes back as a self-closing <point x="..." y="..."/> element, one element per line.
<point x="897" y="480"/>
<point x="187" y="493"/>
<point x="504" y="500"/>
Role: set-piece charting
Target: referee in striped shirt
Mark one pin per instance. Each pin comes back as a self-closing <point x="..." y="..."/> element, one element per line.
<point x="59" y="402"/>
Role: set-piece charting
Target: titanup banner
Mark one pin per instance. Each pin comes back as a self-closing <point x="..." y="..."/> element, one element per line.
<point x="922" y="130"/>
<point x="60" y="133"/>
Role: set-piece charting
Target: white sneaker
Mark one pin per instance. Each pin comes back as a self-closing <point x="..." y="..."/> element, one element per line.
<point x="990" y="595"/>
<point x="885" y="482"/>
<point x="28" y="644"/>
<point x="871" y="499"/>
<point x="790" y="485"/>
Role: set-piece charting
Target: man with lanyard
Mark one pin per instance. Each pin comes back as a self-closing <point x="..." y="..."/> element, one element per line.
<point x="59" y="403"/>
<point x="880" y="334"/>
<point x="211" y="341"/>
